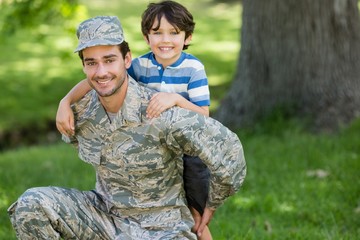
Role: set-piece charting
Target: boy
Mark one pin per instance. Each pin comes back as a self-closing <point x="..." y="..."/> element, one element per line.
<point x="181" y="80"/>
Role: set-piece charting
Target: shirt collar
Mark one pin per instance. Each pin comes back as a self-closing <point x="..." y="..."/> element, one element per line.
<point x="129" y="113"/>
<point x="175" y="64"/>
<point x="131" y="108"/>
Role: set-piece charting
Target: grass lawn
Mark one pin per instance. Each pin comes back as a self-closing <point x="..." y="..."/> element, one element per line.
<point x="299" y="186"/>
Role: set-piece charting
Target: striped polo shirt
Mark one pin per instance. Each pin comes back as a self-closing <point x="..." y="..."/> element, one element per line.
<point x="186" y="77"/>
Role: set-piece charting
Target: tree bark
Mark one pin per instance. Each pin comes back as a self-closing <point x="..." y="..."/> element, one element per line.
<point x="299" y="56"/>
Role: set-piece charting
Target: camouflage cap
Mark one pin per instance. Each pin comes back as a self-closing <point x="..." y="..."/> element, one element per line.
<point x="100" y="30"/>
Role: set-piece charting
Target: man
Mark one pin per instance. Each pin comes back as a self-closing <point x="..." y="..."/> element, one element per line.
<point x="138" y="161"/>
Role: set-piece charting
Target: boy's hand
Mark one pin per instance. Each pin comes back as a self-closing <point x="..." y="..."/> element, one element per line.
<point x="65" y="119"/>
<point x="159" y="102"/>
<point x="197" y="219"/>
<point x="205" y="220"/>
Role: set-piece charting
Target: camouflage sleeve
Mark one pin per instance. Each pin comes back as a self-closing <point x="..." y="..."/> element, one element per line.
<point x="70" y="140"/>
<point x="79" y="109"/>
<point x="218" y="147"/>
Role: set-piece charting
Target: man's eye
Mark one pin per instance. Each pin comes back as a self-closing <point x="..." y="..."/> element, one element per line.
<point x="90" y="63"/>
<point x="109" y="60"/>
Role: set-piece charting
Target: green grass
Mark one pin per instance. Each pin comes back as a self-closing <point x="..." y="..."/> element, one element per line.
<point x="39" y="166"/>
<point x="299" y="185"/>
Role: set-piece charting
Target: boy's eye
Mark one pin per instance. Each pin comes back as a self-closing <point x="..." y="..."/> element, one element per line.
<point x="174" y="33"/>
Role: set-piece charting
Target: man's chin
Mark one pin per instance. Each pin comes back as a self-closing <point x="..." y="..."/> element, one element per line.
<point x="108" y="93"/>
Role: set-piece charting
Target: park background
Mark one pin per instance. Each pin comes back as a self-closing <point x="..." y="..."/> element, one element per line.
<point x="300" y="185"/>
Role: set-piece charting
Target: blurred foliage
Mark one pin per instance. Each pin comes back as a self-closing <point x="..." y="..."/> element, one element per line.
<point x="227" y="1"/>
<point x="24" y="14"/>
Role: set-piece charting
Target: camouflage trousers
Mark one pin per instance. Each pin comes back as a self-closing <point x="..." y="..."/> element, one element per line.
<point x="60" y="213"/>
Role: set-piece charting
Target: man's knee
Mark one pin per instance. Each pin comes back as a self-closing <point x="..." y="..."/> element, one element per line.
<point x="34" y="197"/>
<point x="31" y="201"/>
<point x="32" y="214"/>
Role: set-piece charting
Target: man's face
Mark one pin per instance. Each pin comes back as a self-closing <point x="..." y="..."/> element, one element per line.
<point x="105" y="68"/>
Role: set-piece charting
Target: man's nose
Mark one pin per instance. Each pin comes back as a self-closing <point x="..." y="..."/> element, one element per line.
<point x="101" y="70"/>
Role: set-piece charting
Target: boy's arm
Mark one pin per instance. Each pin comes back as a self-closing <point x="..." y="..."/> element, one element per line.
<point x="161" y="101"/>
<point x="64" y="115"/>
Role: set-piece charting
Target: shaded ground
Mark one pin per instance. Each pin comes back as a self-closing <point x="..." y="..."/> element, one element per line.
<point x="31" y="135"/>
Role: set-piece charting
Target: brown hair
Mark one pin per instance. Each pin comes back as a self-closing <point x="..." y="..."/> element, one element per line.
<point x="176" y="14"/>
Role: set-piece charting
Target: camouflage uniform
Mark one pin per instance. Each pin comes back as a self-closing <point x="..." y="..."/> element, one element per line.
<point x="139" y="190"/>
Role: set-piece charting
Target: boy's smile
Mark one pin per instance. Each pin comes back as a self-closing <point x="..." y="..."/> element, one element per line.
<point x="166" y="42"/>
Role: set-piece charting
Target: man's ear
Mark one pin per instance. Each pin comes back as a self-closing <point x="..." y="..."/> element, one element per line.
<point x="128" y="60"/>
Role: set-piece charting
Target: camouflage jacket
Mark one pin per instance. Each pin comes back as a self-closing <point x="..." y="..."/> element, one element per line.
<point x="138" y="161"/>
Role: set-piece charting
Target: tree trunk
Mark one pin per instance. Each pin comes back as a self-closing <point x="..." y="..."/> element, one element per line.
<point x="302" y="56"/>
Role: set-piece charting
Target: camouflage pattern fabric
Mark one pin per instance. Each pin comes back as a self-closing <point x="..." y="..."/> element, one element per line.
<point x="100" y="30"/>
<point x="138" y="162"/>
<point x="59" y="213"/>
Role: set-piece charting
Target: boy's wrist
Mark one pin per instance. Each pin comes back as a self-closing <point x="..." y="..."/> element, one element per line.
<point x="178" y="99"/>
<point x="65" y="100"/>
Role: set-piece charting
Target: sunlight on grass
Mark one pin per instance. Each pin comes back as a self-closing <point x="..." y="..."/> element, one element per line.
<point x="226" y="50"/>
<point x="218" y="80"/>
<point x="65" y="43"/>
<point x="286" y="207"/>
<point x="226" y="12"/>
<point x="29" y="64"/>
<point x="35" y="65"/>
<point x="30" y="48"/>
<point x="244" y="202"/>
<point x="4" y="200"/>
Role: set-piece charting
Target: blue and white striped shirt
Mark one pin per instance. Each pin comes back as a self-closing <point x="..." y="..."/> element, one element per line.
<point x="186" y="77"/>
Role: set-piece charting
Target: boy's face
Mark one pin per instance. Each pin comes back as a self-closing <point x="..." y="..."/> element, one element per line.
<point x="166" y="42"/>
<point x="105" y="68"/>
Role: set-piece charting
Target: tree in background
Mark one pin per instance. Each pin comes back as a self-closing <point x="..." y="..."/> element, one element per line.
<point x="302" y="57"/>
<point x="22" y="14"/>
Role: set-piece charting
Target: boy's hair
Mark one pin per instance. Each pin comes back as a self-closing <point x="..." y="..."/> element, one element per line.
<point x="176" y="14"/>
<point x="123" y="47"/>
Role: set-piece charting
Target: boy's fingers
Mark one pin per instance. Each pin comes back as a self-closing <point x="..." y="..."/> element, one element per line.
<point x="60" y="128"/>
<point x="66" y="129"/>
<point x="72" y="126"/>
<point x="205" y="220"/>
<point x="197" y="219"/>
<point x="201" y="228"/>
